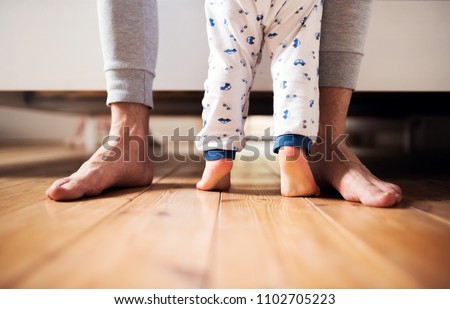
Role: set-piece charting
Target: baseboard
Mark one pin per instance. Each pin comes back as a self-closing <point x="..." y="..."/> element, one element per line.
<point x="364" y="103"/>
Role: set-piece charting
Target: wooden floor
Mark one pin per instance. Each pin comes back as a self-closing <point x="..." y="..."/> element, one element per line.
<point x="170" y="235"/>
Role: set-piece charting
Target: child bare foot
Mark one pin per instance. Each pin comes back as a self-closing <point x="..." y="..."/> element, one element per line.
<point x="216" y="175"/>
<point x="296" y="176"/>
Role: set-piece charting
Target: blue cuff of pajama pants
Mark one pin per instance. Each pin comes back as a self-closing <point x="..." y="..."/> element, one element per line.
<point x="294" y="140"/>
<point x="217" y="154"/>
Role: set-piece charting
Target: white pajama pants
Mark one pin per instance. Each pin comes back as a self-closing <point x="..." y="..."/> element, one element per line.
<point x="237" y="31"/>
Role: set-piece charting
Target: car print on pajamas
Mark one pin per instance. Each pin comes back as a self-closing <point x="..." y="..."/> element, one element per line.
<point x="230" y="68"/>
<point x="291" y="97"/>
<point x="225" y="87"/>
<point x="224" y="120"/>
<point x="230" y="51"/>
<point x="227" y="106"/>
<point x="303" y="21"/>
<point x="300" y="62"/>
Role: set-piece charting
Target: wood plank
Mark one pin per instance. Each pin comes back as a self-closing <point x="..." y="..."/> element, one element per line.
<point x="31" y="234"/>
<point x="11" y="181"/>
<point x="161" y="239"/>
<point x="23" y="164"/>
<point x="330" y="258"/>
<point x="244" y="252"/>
<point x="13" y="157"/>
<point x="411" y="240"/>
<point x="439" y="209"/>
<point x="23" y="194"/>
<point x="430" y="196"/>
<point x="264" y="240"/>
<point x="426" y="188"/>
<point x="24" y="183"/>
<point x="288" y="245"/>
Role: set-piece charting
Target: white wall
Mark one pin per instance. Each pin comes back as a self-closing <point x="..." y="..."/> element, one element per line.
<point x="408" y="47"/>
<point x="49" y="45"/>
<point x="54" y="45"/>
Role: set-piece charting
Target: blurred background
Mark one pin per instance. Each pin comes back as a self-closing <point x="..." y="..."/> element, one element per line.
<point x="52" y="83"/>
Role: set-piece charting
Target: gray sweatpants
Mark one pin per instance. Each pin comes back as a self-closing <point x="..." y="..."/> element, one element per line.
<point x="129" y="38"/>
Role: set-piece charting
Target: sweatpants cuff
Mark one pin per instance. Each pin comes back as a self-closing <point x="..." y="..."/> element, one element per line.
<point x="217" y="154"/>
<point x="129" y="85"/>
<point x="294" y="140"/>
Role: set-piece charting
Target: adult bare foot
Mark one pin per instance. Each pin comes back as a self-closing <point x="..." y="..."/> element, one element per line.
<point x="345" y="172"/>
<point x="295" y="174"/>
<point x="354" y="181"/>
<point x="216" y="175"/>
<point x="123" y="162"/>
